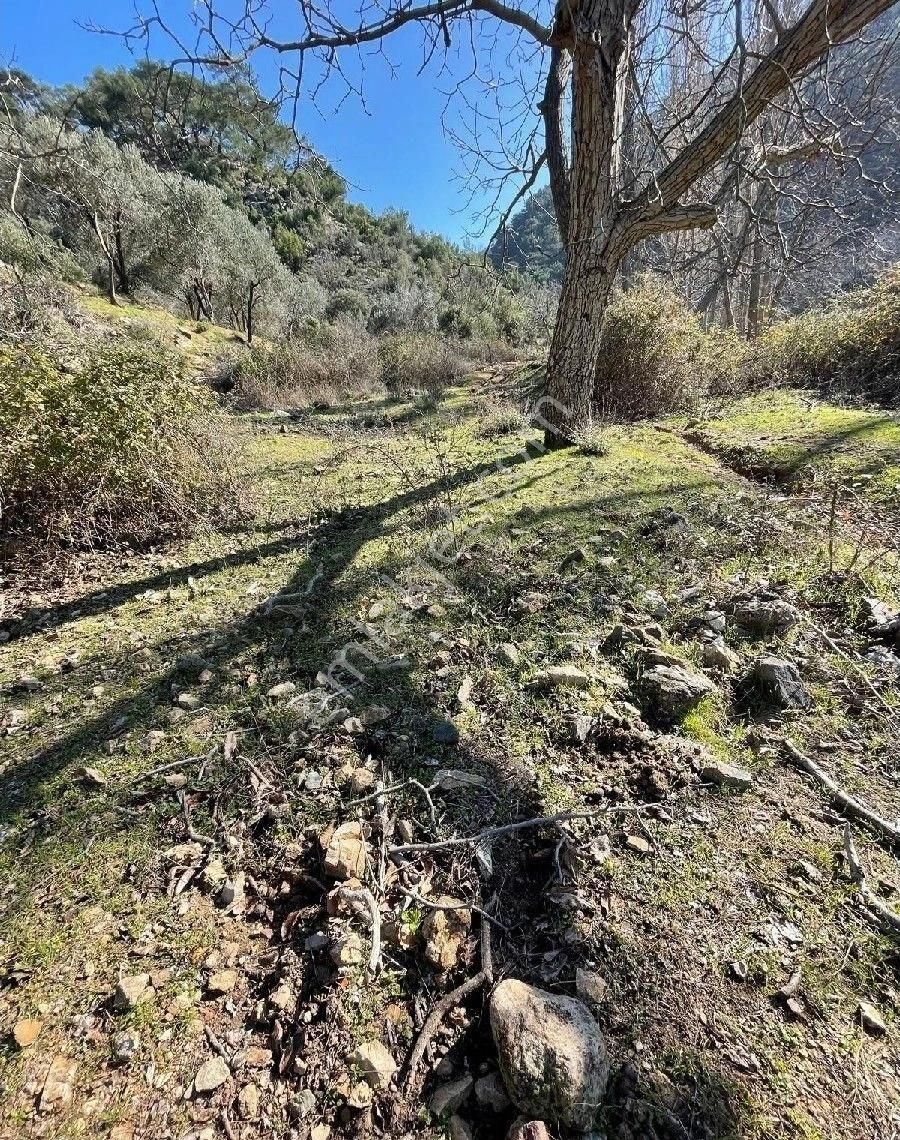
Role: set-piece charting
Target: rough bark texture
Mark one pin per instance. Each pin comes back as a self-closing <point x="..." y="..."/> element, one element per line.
<point x="598" y="228"/>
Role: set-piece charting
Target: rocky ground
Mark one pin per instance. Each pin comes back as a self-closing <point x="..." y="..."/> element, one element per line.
<point x="469" y="790"/>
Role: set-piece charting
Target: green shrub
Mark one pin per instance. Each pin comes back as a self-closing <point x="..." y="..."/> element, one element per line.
<point x="851" y="346"/>
<point x="324" y="365"/>
<point x="655" y="357"/>
<point x="120" y="448"/>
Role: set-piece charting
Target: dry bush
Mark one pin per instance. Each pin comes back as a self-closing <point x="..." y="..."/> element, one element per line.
<point x="326" y="366"/>
<point x="424" y="362"/>
<point x="655" y="358"/>
<point x="118" y="448"/>
<point x="851" y="347"/>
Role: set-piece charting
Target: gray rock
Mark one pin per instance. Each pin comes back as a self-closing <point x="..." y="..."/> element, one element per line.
<point x="668" y="692"/>
<point x="523" y="1129"/>
<point x="374" y="1064"/>
<point x="717" y="656"/>
<point x="459" y="1129"/>
<point x="285" y="689"/>
<point x="445" y="732"/>
<point x="590" y="987"/>
<point x="563" y="677"/>
<point x="777" y="682"/>
<point x="551" y="1051"/>
<point x="124" y="1046"/>
<point x="726" y="776"/>
<point x="765" y="614"/>
<point x="451" y="1096"/>
<point x="510" y="654"/>
<point x="883" y="658"/>
<point x="655" y="604"/>
<point x="345" y="857"/>
<point x="491" y="1093"/>
<point x="129" y="992"/>
<point x="211" y="1075"/>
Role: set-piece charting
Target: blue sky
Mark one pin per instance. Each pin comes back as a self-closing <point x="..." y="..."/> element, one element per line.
<point x="392" y="152"/>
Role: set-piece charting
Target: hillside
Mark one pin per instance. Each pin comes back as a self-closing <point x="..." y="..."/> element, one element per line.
<point x="427" y="631"/>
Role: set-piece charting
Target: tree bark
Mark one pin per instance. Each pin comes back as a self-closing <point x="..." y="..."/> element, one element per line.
<point x="121" y="263"/>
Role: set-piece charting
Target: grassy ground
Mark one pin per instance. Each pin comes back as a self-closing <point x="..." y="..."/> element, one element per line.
<point x="411" y="543"/>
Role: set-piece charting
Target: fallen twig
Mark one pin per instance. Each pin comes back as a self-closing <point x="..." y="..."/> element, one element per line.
<point x="216" y="1045"/>
<point x="410" y="783"/>
<point x="453" y="906"/>
<point x="857" y="669"/>
<point x="189" y="827"/>
<point x="507" y="828"/>
<point x="843" y="799"/>
<point x="875" y="904"/>
<point x="485" y="976"/>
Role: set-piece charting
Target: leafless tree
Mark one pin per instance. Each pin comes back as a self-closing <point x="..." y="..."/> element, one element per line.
<point x="593" y="62"/>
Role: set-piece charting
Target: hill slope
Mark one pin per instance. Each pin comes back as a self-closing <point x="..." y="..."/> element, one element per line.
<point x="163" y="736"/>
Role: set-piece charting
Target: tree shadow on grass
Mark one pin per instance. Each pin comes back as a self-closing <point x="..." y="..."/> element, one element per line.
<point x="300" y="628"/>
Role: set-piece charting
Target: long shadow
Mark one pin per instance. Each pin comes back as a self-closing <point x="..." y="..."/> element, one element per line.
<point x="523" y="877"/>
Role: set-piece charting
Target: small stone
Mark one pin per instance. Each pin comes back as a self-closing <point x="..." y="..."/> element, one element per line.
<point x="523" y="1129"/>
<point x="222" y="983"/>
<point x="360" y="1095"/>
<point x="347" y="950"/>
<point x="284" y="689"/>
<point x="58" y="1084"/>
<point x="451" y="1096"/>
<point x="129" y="992"/>
<point x="778" y="683"/>
<point x="458" y="1129"/>
<point x="669" y="692"/>
<point x="232" y="892"/>
<point x="345" y="857"/>
<point x="590" y="987"/>
<point x="445" y="732"/>
<point x="655" y="604"/>
<point x="374" y="714"/>
<point x="175" y="780"/>
<point x="92" y="776"/>
<point x="27" y="1031"/>
<point x="362" y="780"/>
<point x="405" y="830"/>
<point x="354" y="726"/>
<point x="213" y="875"/>
<point x="638" y="844"/>
<point x="738" y="970"/>
<point x="312" y="781"/>
<point x="211" y="1075"/>
<point x="124" y="1046"/>
<point x="808" y="870"/>
<point x="284" y="998"/>
<point x="717" y="656"/>
<point x="188" y="701"/>
<point x="563" y="677"/>
<point x="607" y="562"/>
<point x="871" y="1019"/>
<point x="509" y="654"/>
<point x="320" y="1132"/>
<point x="726" y="776"/>
<point x="445" y="932"/>
<point x="573" y="558"/>
<point x="580" y="727"/>
<point x="374" y="1064"/>
<point x="490" y="1093"/>
<point x="765" y="615"/>
<point x="305" y="1104"/>
<point x="248" y="1102"/>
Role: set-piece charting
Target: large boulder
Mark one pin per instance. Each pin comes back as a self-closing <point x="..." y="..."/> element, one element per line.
<point x="669" y="692"/>
<point x="552" y="1054"/>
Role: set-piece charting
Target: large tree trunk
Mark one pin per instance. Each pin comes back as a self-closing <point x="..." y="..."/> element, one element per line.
<point x="594" y="250"/>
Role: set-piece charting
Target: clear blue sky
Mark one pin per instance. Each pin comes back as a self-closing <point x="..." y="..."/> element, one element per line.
<point x="393" y="152"/>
